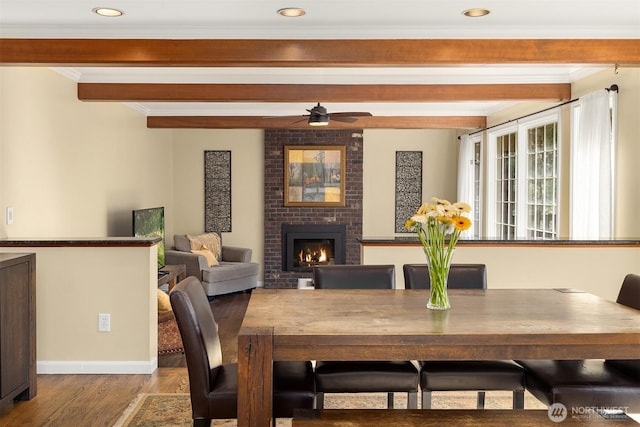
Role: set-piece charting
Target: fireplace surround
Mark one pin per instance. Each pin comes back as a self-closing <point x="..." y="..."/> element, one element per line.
<point x="276" y="214"/>
<point x="307" y="245"/>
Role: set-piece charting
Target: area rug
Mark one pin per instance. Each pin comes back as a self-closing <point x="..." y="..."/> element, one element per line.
<point x="169" y="340"/>
<point x="174" y="409"/>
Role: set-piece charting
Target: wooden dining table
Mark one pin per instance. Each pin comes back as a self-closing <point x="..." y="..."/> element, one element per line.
<point x="329" y="324"/>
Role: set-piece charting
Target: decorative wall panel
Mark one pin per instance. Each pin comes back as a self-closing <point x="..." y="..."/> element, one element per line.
<point x="408" y="186"/>
<point x="217" y="191"/>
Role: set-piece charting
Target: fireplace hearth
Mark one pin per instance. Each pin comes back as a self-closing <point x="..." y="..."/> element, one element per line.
<point x="307" y="245"/>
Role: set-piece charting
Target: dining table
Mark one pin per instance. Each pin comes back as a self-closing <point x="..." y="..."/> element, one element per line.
<point x="394" y="324"/>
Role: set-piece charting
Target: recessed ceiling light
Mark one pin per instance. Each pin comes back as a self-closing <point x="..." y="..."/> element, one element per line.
<point x="107" y="11"/>
<point x="291" y="12"/>
<point x="475" y="12"/>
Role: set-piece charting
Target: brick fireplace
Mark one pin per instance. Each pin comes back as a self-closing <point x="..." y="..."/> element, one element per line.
<point x="276" y="274"/>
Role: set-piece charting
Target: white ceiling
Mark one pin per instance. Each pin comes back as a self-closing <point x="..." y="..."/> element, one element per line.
<point x="327" y="19"/>
<point x="333" y="19"/>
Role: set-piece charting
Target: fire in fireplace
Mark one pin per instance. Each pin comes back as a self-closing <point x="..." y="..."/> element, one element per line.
<point x="310" y="252"/>
<point x="308" y="245"/>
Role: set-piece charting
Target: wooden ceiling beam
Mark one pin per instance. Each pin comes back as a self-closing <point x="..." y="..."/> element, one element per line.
<point x="188" y="92"/>
<point x="380" y="122"/>
<point x="316" y="53"/>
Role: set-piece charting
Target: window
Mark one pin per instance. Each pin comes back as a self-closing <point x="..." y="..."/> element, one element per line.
<point x="523" y="180"/>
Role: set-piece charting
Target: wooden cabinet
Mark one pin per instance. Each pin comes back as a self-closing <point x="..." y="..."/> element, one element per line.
<point x="17" y="327"/>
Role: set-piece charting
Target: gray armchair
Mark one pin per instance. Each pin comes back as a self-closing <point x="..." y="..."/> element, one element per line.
<point x="232" y="271"/>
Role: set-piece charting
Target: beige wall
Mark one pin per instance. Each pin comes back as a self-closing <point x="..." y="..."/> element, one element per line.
<point x="440" y="168"/>
<point x="598" y="270"/>
<point x="247" y="178"/>
<point x="73" y="285"/>
<point x="71" y="168"/>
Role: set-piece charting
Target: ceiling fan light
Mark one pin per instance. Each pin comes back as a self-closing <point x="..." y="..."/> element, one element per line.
<point x="318" y="120"/>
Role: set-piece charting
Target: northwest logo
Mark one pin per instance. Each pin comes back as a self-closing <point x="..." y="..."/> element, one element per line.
<point x="557" y="412"/>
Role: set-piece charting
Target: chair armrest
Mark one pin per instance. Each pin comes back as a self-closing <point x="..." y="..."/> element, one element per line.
<point x="236" y="254"/>
<point x="195" y="263"/>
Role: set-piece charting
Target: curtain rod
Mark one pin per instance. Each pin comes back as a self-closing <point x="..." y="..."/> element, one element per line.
<point x="611" y="88"/>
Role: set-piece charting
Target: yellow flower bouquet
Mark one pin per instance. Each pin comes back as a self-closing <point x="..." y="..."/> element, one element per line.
<point x="433" y="223"/>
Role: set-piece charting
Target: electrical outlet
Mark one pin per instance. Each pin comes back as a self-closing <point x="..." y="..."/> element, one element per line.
<point x="104" y="322"/>
<point x="9" y="216"/>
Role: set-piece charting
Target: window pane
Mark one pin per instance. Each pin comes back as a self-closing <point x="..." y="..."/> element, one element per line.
<point x="550" y="191"/>
<point x="506" y="186"/>
<point x="531" y="140"/>
<point x="550" y="136"/>
<point x="550" y="164"/>
<point x="540" y="165"/>
<point x="531" y="166"/>
<point x="539" y="139"/>
<point x="542" y="184"/>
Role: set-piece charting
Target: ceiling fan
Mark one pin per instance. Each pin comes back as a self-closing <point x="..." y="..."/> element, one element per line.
<point x="318" y="116"/>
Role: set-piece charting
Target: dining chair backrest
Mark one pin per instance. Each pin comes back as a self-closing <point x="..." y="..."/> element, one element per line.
<point x="354" y="277"/>
<point x="630" y="291"/>
<point x="629" y="295"/>
<point x="461" y="276"/>
<point x="199" y="332"/>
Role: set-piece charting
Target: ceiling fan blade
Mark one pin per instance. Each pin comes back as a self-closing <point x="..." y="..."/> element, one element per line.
<point x="345" y="119"/>
<point x="352" y="114"/>
<point x="303" y="116"/>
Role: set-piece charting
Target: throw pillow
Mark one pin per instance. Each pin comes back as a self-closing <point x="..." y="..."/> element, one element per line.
<point x="182" y="243"/>
<point x="204" y="251"/>
<point x="210" y="240"/>
<point x="164" y="304"/>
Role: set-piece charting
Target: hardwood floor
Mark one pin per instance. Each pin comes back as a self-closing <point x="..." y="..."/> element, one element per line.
<point x="99" y="400"/>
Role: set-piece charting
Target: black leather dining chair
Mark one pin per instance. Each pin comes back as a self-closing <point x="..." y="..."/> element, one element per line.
<point x="460" y="375"/>
<point x="591" y="383"/>
<point x="461" y="276"/>
<point x="363" y="376"/>
<point x="214" y="386"/>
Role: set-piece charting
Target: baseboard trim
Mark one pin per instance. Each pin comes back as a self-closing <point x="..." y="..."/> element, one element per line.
<point x="103" y="367"/>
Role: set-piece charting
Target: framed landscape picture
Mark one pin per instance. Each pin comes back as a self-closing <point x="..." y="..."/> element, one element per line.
<point x="314" y="175"/>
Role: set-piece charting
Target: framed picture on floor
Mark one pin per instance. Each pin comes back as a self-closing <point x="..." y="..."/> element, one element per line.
<point x="314" y="175"/>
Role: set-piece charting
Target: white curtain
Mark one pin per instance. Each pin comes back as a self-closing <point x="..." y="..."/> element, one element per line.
<point x="465" y="179"/>
<point x="592" y="168"/>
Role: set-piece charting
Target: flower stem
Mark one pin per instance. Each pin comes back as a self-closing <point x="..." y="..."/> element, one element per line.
<point x="438" y="253"/>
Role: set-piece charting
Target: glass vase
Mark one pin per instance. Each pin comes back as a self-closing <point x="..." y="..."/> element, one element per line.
<point x="438" y="276"/>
